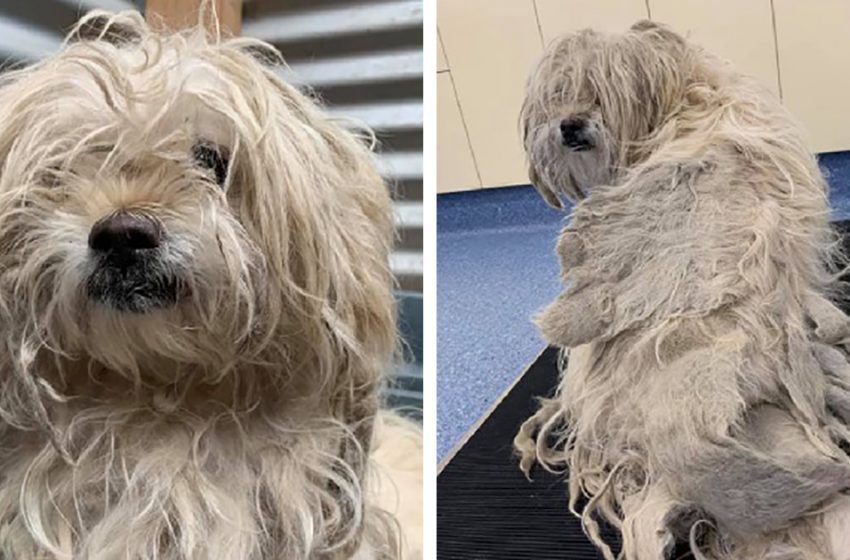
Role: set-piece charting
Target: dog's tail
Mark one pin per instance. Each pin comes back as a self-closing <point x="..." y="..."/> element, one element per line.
<point x="395" y="484"/>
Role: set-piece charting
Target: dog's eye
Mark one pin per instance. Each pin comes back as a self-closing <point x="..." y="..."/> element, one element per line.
<point x="50" y="177"/>
<point x="212" y="157"/>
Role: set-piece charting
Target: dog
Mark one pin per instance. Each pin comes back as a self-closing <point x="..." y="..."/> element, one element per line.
<point x="705" y="402"/>
<point x="196" y="311"/>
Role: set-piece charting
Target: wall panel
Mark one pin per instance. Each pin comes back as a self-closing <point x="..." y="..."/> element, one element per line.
<point x="491" y="45"/>
<point x="612" y="16"/>
<point x="442" y="63"/>
<point x="741" y="32"/>
<point x="814" y="63"/>
<point x="455" y="166"/>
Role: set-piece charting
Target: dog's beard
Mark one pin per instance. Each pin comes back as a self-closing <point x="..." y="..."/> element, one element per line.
<point x="188" y="298"/>
<point x="573" y="171"/>
<point x="134" y="282"/>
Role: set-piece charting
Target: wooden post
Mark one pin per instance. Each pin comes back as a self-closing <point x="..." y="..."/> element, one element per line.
<point x="176" y="14"/>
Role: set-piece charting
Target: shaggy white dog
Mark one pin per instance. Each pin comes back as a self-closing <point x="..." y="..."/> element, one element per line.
<point x="707" y="393"/>
<point x="196" y="310"/>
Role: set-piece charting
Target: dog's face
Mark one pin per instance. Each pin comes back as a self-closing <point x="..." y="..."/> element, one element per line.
<point x="590" y="99"/>
<point x="169" y="198"/>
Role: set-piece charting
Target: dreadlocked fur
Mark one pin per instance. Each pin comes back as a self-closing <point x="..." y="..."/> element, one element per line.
<point x="213" y="394"/>
<point x="707" y="392"/>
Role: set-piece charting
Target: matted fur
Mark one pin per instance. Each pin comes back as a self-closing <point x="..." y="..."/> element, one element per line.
<point x="707" y="392"/>
<point x="236" y="423"/>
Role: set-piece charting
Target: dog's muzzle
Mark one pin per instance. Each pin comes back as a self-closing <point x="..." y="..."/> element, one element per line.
<point x="128" y="273"/>
<point x="575" y="135"/>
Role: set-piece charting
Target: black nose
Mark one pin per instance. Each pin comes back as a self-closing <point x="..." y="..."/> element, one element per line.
<point x="574" y="134"/>
<point x="124" y="232"/>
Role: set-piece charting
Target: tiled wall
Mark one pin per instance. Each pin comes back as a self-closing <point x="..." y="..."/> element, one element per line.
<point x="800" y="50"/>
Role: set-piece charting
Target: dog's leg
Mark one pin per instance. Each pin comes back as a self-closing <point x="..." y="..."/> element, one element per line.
<point x="577" y="316"/>
<point x="646" y="530"/>
<point x="837" y="525"/>
<point x="832" y="326"/>
<point x="752" y="470"/>
<point x="837" y="369"/>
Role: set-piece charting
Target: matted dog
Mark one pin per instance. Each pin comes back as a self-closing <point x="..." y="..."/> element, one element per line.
<point x="706" y="396"/>
<point x="196" y="311"/>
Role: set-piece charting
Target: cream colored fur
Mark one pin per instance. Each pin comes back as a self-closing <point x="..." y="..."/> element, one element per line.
<point x="707" y="392"/>
<point x="237" y="422"/>
<point x="397" y="478"/>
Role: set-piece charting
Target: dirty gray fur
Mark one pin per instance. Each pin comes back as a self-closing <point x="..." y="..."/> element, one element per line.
<point x="708" y="387"/>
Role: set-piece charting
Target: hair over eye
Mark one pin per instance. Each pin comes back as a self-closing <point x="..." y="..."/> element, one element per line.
<point x="212" y="157"/>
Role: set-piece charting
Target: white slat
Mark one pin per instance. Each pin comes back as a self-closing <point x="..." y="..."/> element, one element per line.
<point x="405" y="393"/>
<point x="406" y="263"/>
<point x="347" y="20"/>
<point x="402" y="166"/>
<point x="384" y="116"/>
<point x="408" y="214"/>
<point x="109" y="5"/>
<point x="361" y="69"/>
<point x="409" y="370"/>
<point x="24" y="42"/>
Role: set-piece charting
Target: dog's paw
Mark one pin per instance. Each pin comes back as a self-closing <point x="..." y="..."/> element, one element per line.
<point x="835" y="365"/>
<point x="577" y="317"/>
<point x="650" y="524"/>
<point x="831" y="324"/>
<point x="768" y="475"/>
<point x="571" y="250"/>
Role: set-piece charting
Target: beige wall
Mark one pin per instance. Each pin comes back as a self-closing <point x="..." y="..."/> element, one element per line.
<point x="813" y="40"/>
<point x="799" y="50"/>
<point x="489" y="46"/>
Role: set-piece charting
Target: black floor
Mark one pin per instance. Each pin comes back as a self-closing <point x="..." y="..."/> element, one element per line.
<point x="487" y="510"/>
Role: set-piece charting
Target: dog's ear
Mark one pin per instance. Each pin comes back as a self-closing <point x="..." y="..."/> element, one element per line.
<point x="644" y="25"/>
<point x="659" y="31"/>
<point x="526" y="114"/>
<point x="265" y="54"/>
<point x="548" y="194"/>
<point x="100" y="26"/>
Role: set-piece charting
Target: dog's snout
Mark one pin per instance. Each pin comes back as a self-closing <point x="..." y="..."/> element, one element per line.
<point x="574" y="133"/>
<point x="124" y="232"/>
<point x="570" y="128"/>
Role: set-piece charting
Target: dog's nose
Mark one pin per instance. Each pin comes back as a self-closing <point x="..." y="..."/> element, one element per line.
<point x="124" y="232"/>
<point x="572" y="131"/>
